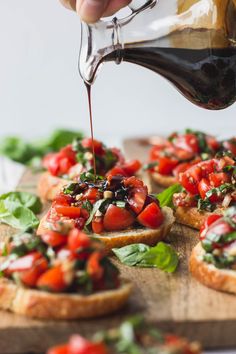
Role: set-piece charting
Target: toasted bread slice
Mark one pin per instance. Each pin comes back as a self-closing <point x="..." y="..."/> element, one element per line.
<point x="162" y="180"/>
<point x="193" y="217"/>
<point x="49" y="186"/>
<point x="126" y="237"/>
<point x="209" y="275"/>
<point x="45" y="305"/>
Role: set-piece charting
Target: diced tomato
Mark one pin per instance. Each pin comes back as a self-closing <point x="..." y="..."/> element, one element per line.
<point x="97" y="225"/>
<point x="30" y="277"/>
<point x="117" y="218"/>
<point x="116" y="171"/>
<point x="78" y="240"/>
<point x="24" y="263"/>
<point x="220" y="227"/>
<point x="217" y="179"/>
<point x="91" y="194"/>
<point x="118" y="154"/>
<point x="53" y="238"/>
<point x="209" y="221"/>
<point x="166" y="165"/>
<point x="51" y="163"/>
<point x="204" y="187"/>
<point x="94" y="268"/>
<point x="151" y="216"/>
<point x="212" y="142"/>
<point x="69" y="211"/>
<point x="137" y="198"/>
<point x="60" y="349"/>
<point x="188" y="142"/>
<point x="80" y="345"/>
<point x="55" y="280"/>
<point x="64" y="165"/>
<point x="131" y="167"/>
<point x="62" y="199"/>
<point x="98" y="146"/>
<point x="230" y="145"/>
<point x="134" y="182"/>
<point x="68" y="153"/>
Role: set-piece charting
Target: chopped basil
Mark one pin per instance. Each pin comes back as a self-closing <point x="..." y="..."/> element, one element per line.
<point x="205" y="204"/>
<point x="221" y="262"/>
<point x="90" y="177"/>
<point x="202" y="142"/>
<point x="96" y="207"/>
<point x="223" y="189"/>
<point x="166" y="197"/>
<point x="161" y="256"/>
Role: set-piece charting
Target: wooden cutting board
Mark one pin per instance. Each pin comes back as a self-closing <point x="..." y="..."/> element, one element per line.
<point x="174" y="302"/>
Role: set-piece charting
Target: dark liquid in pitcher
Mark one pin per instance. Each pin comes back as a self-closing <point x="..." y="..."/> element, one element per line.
<point x="207" y="77"/>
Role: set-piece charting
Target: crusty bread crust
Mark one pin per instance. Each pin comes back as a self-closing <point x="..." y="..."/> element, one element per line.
<point x="127" y="237"/>
<point x="209" y="275"/>
<point x="49" y="186"/>
<point x="45" y="305"/>
<point x="162" y="180"/>
<point x="192" y="216"/>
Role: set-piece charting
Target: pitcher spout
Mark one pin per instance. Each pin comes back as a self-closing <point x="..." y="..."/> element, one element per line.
<point x="97" y="41"/>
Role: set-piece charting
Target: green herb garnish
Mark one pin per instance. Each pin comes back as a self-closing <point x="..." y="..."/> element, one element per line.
<point x="166" y="197"/>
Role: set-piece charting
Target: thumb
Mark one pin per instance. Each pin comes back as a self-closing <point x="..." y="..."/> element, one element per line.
<point x="91" y="10"/>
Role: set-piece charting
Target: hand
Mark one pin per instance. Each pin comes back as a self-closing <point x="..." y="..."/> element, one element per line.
<point x="92" y="10"/>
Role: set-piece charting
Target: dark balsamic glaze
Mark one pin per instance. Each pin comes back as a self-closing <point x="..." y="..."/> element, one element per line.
<point x="207" y="77"/>
<point x="88" y="87"/>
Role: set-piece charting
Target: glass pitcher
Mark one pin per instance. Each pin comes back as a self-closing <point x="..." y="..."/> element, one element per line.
<point x="192" y="43"/>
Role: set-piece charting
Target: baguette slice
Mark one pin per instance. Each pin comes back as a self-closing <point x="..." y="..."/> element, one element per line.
<point x="45" y="305"/>
<point x="49" y="186"/>
<point x="162" y="180"/>
<point x="193" y="217"/>
<point x="209" y="275"/>
<point x="127" y="237"/>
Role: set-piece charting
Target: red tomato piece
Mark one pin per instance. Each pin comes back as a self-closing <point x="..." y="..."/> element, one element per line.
<point x="94" y="268"/>
<point x="52" y="163"/>
<point x="68" y="153"/>
<point x="217" y="179"/>
<point x="53" y="238"/>
<point x="78" y="240"/>
<point x="91" y="194"/>
<point x="230" y="145"/>
<point x="116" y="171"/>
<point x="64" y="165"/>
<point x="97" y="225"/>
<point x="63" y="199"/>
<point x="131" y="167"/>
<point x="60" y="349"/>
<point x="166" y="165"/>
<point x="117" y="218"/>
<point x="24" y="263"/>
<point x="204" y="187"/>
<point x="88" y="143"/>
<point x="80" y="345"/>
<point x="212" y="142"/>
<point x="209" y="221"/>
<point x="30" y="277"/>
<point x="188" y="142"/>
<point x="69" y="211"/>
<point x="151" y="216"/>
<point x="134" y="182"/>
<point x="54" y="280"/>
<point x="137" y="198"/>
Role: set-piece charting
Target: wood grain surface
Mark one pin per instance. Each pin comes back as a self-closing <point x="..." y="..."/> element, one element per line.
<point x="174" y="302"/>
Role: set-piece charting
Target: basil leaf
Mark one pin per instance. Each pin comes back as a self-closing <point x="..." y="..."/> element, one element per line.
<point x="150" y="165"/>
<point x="96" y="207"/>
<point x="25" y="199"/>
<point x="162" y="256"/>
<point x="18" y="217"/>
<point x="224" y="188"/>
<point x="131" y="255"/>
<point x="166" y="197"/>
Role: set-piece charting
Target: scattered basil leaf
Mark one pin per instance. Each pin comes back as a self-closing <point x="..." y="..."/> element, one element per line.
<point x="96" y="207"/>
<point x="150" y="165"/>
<point x="25" y="199"/>
<point x="166" y="197"/>
<point x="161" y="256"/>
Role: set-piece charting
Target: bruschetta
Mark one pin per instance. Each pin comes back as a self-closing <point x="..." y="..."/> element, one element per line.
<point x="143" y="339"/>
<point x="73" y="160"/>
<point x="213" y="260"/>
<point x="171" y="156"/>
<point x="59" y="276"/>
<point x="117" y="210"/>
<point x="209" y="186"/>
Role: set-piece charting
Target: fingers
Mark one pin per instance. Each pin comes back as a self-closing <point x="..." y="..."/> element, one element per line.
<point x="91" y="10"/>
<point x="114" y="6"/>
